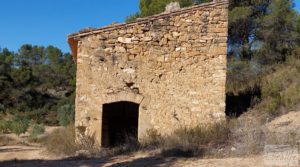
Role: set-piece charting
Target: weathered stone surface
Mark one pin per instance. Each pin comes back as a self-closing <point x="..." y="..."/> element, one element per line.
<point x="173" y="67"/>
<point x="120" y="49"/>
<point x="124" y="40"/>
<point x="147" y="39"/>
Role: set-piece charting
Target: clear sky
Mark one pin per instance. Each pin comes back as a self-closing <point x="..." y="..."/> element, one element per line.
<point x="47" y="22"/>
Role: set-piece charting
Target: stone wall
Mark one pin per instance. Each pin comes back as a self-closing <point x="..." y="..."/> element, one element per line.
<point x="172" y="64"/>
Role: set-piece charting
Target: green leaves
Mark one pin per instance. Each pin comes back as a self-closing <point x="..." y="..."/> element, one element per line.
<point x="240" y="14"/>
<point x="66" y="114"/>
<point x="36" y="81"/>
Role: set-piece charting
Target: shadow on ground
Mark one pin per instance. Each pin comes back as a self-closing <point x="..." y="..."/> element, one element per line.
<point x="153" y="161"/>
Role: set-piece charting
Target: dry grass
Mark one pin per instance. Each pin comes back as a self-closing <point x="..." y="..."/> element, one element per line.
<point x="248" y="135"/>
<point x="244" y="136"/>
<point x="183" y="142"/>
<point x="187" y="142"/>
<point x="61" y="141"/>
<point x="6" y="140"/>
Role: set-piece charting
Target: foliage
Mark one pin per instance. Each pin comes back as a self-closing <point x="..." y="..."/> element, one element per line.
<point x="19" y="126"/>
<point x="278" y="32"/>
<point x="37" y="129"/>
<point x="132" y="18"/>
<point x="66" y="114"/>
<point x="262" y="34"/>
<point x="4" y="126"/>
<point x="35" y="82"/>
<point x="243" y="25"/>
<point x="281" y="88"/>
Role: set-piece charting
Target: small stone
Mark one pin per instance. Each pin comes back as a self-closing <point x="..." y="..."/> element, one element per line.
<point x="160" y="59"/>
<point x="122" y="32"/>
<point x="124" y="40"/>
<point x="108" y="50"/>
<point x="180" y="49"/>
<point x="176" y="34"/>
<point x="147" y="39"/>
<point x="135" y="39"/>
<point x="120" y="49"/>
<point x="129" y="70"/>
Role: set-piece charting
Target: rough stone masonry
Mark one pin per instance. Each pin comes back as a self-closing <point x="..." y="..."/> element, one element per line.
<point x="159" y="73"/>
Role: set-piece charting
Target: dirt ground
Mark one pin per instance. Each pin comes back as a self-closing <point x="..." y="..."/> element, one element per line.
<point x="30" y="156"/>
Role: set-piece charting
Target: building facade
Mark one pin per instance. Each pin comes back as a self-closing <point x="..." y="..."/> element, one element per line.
<point x="161" y="73"/>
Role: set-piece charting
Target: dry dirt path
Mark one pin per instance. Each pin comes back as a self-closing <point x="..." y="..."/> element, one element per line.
<point x="29" y="156"/>
<point x="21" y="153"/>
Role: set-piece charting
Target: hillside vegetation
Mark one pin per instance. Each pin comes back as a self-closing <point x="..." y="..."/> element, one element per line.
<point x="35" y="84"/>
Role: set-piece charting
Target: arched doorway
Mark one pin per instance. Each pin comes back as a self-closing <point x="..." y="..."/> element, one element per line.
<point x="119" y="123"/>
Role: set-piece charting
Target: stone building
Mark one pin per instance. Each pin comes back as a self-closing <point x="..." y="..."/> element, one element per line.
<point x="162" y="72"/>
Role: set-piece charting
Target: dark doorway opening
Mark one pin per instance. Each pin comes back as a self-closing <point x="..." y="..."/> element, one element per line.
<point x="119" y="123"/>
<point x="238" y="104"/>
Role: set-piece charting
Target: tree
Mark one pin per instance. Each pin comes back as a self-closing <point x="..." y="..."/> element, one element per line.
<point x="243" y="25"/>
<point x="278" y="32"/>
<point x="6" y="65"/>
<point x="36" y="81"/>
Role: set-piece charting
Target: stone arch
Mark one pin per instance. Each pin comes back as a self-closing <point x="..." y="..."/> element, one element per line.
<point x="123" y="96"/>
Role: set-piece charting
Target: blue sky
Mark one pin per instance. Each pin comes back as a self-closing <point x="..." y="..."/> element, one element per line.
<point x="47" y="22"/>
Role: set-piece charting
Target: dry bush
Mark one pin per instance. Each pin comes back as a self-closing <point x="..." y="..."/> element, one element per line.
<point x="6" y="140"/>
<point x="248" y="135"/>
<point x="61" y="141"/>
<point x="152" y="139"/>
<point x="187" y="142"/>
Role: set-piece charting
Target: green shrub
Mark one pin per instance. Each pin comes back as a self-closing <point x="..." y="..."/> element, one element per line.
<point x="281" y="89"/>
<point x="290" y="96"/>
<point x="37" y="129"/>
<point x="4" y="126"/>
<point x="66" y="114"/>
<point x="19" y="126"/>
